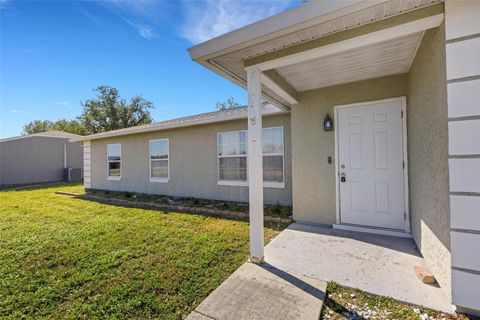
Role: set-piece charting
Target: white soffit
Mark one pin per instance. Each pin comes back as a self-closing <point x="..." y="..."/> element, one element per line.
<point x="307" y="22"/>
<point x="373" y="13"/>
<point x="229" y="62"/>
<point x="382" y="59"/>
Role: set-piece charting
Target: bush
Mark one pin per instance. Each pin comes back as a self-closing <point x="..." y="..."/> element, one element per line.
<point x="277" y="209"/>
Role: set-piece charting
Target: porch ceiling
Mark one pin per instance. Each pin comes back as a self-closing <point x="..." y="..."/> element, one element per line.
<point x="382" y="59"/>
<point x="230" y="54"/>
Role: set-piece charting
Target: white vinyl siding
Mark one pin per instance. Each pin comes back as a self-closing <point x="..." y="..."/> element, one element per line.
<point x="114" y="161"/>
<point x="232" y="158"/>
<point x="159" y="160"/>
<point x="462" y="56"/>
<point x="87" y="165"/>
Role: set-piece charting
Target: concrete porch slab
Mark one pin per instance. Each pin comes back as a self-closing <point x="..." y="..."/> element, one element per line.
<point x="377" y="264"/>
<point x="263" y="292"/>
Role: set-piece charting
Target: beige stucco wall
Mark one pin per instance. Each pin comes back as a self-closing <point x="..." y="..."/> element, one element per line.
<point x="193" y="163"/>
<point x="428" y="155"/>
<point x="313" y="177"/>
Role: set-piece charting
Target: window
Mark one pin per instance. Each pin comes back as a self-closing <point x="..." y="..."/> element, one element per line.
<point x="159" y="171"/>
<point x="232" y="158"/>
<point x="273" y="156"/>
<point x="114" y="161"/>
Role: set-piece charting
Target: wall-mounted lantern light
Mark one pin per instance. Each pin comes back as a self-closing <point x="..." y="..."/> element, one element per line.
<point x="328" y="123"/>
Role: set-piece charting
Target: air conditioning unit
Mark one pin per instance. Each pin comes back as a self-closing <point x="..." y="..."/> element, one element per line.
<point x="73" y="174"/>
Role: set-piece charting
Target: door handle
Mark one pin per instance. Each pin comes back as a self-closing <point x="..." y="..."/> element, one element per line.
<point x="343" y="178"/>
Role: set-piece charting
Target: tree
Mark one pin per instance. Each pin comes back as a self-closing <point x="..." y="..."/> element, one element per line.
<point x="37" y="126"/>
<point x="104" y="113"/>
<point x="72" y="126"/>
<point x="109" y="112"/>
<point x="229" y="104"/>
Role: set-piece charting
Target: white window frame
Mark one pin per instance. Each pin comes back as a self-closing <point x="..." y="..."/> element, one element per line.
<point x="231" y="182"/>
<point x="114" y="178"/>
<point x="266" y="184"/>
<point x="271" y="184"/>
<point x="159" y="179"/>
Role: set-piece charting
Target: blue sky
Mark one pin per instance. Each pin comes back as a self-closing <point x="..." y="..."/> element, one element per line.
<point x="53" y="53"/>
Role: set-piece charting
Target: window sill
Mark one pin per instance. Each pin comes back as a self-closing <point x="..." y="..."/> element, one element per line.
<point x="273" y="185"/>
<point x="232" y="183"/>
<point x="114" y="178"/>
<point x="160" y="180"/>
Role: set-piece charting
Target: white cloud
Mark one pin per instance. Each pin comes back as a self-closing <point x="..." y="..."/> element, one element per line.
<point x="85" y="13"/>
<point x="149" y="9"/>
<point x="208" y="19"/>
<point x="18" y="111"/>
<point x="142" y="15"/>
<point x="62" y="103"/>
<point x="145" y="31"/>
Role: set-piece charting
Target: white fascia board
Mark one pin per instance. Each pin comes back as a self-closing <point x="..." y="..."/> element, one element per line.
<point x="307" y="15"/>
<point x="243" y="115"/>
<point x="35" y="135"/>
<point x="350" y="44"/>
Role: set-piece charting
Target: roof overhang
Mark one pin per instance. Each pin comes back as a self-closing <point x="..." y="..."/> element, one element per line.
<point x="293" y="20"/>
<point x="202" y="119"/>
<point x="47" y="134"/>
<point x="322" y="43"/>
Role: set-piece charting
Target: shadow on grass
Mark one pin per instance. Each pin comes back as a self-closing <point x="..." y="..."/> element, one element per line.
<point x="36" y="186"/>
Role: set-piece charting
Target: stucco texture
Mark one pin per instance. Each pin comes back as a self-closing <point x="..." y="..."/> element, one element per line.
<point x="37" y="159"/>
<point x="313" y="177"/>
<point x="428" y="155"/>
<point x="193" y="163"/>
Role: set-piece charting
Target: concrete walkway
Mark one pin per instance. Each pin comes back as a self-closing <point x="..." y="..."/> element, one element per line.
<point x="263" y="292"/>
<point x="381" y="265"/>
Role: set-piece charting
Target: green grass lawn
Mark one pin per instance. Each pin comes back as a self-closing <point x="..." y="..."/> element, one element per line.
<point x="62" y="257"/>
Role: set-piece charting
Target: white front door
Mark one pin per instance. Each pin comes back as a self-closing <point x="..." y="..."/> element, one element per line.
<point x="370" y="165"/>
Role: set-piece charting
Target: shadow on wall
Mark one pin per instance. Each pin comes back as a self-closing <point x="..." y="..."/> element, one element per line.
<point x="428" y="140"/>
<point x="427" y="123"/>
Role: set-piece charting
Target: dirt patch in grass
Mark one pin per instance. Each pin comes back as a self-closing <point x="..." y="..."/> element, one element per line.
<point x="63" y="257"/>
<point x="353" y="304"/>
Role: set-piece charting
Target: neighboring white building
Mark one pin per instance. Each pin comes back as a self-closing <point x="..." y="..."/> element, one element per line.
<point x="39" y="157"/>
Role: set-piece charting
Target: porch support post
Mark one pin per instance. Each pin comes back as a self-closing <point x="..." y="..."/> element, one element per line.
<point x="255" y="165"/>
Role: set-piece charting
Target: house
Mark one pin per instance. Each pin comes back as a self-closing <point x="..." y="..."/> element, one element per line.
<point x="202" y="156"/>
<point x="39" y="157"/>
<point x="401" y="81"/>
